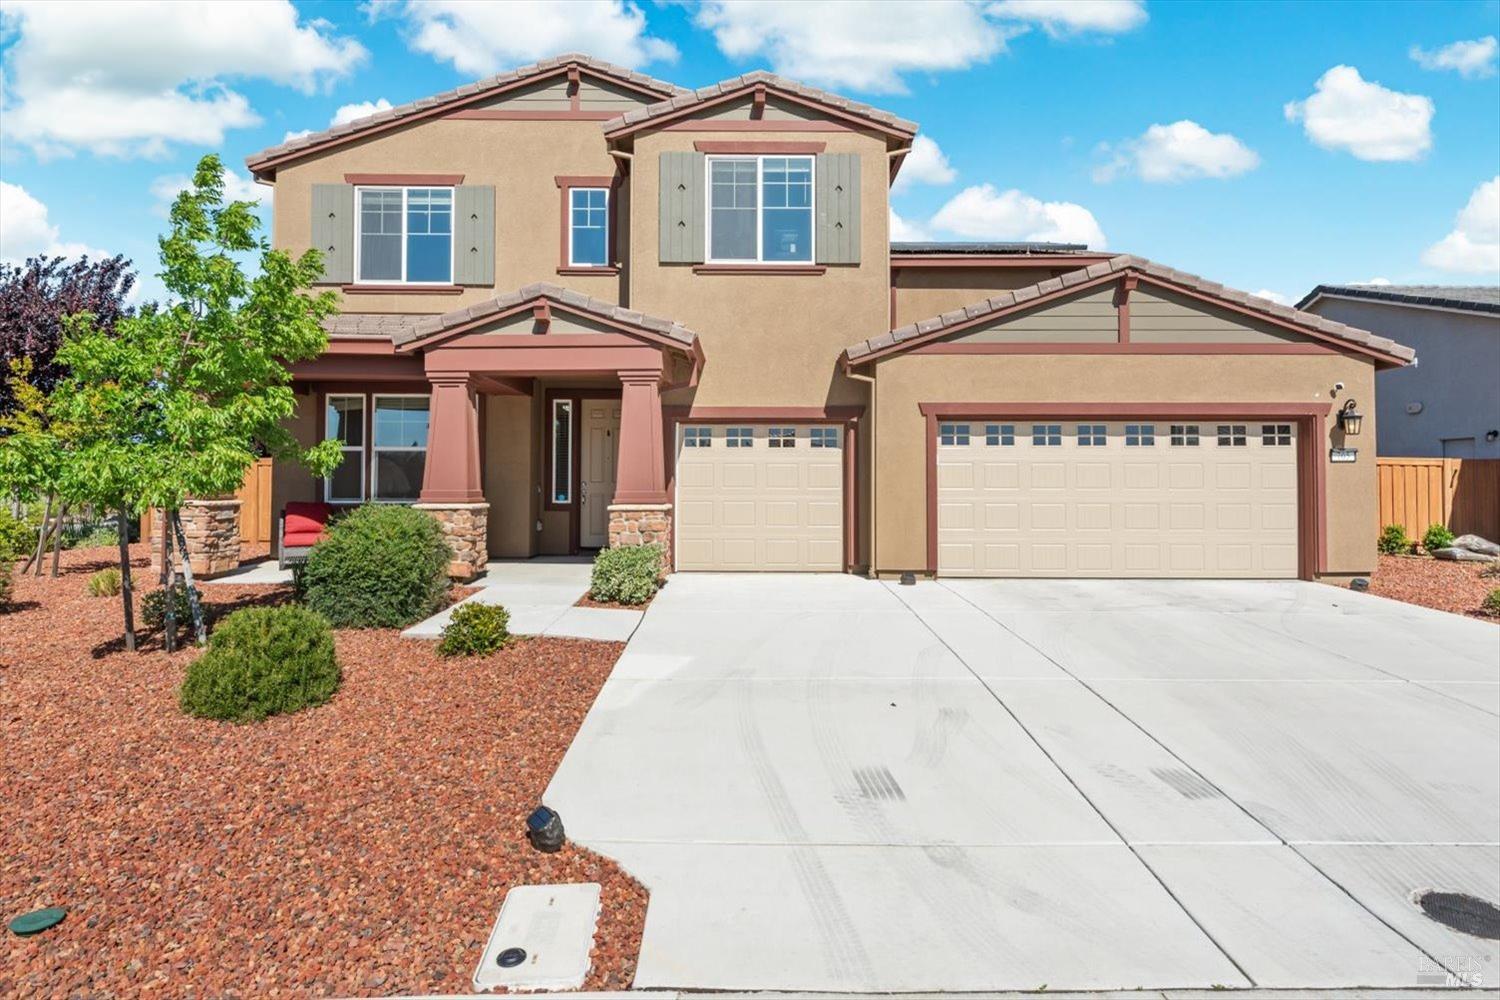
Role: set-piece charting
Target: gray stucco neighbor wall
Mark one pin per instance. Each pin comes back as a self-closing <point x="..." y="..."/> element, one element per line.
<point x="1456" y="379"/>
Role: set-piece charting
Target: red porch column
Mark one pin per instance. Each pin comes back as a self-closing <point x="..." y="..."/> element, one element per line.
<point x="640" y="476"/>
<point x="452" y="472"/>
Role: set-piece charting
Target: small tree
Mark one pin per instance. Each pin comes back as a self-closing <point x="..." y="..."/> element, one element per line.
<point x="177" y="401"/>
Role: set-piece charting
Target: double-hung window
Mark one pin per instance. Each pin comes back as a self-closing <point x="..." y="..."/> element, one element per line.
<point x="405" y="235"/>
<point x="588" y="227"/>
<point x="344" y="422"/>
<point x="399" y="451"/>
<point x="760" y="209"/>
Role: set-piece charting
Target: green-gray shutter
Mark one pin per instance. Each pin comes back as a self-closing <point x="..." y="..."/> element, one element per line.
<point x="333" y="230"/>
<point x="838" y="208"/>
<point x="681" y="216"/>
<point x="474" y="234"/>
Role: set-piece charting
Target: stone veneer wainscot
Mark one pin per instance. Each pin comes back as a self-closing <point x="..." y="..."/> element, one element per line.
<point x="642" y="524"/>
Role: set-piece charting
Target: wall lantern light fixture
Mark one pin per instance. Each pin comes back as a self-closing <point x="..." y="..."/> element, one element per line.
<point x="1350" y="419"/>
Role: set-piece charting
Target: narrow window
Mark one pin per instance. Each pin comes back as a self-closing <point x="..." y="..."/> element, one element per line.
<point x="429" y="235"/>
<point x="733" y="210"/>
<point x="380" y="234"/>
<point x="697" y="437"/>
<point x="344" y="421"/>
<point x="783" y="437"/>
<point x="562" y="451"/>
<point x="588" y="230"/>
<point x="1140" y="435"/>
<point x="1184" y="435"/>
<point x="760" y="209"/>
<point x="400" y="447"/>
<point x="1276" y="434"/>
<point x="953" y="434"/>
<point x="1090" y="435"/>
<point x="405" y="235"/>
<point x="1046" y="435"/>
<point x="823" y="437"/>
<point x="1231" y="435"/>
<point x="997" y="435"/>
<point x="738" y="437"/>
<point x="786" y="222"/>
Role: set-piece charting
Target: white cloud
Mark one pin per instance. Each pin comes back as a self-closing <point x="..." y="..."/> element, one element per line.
<point x="925" y="164"/>
<point x="903" y="231"/>
<point x="982" y="213"/>
<point x="130" y="79"/>
<point x="1349" y="113"/>
<point x="1473" y="247"/>
<point x="1276" y="297"/>
<point x="25" y="230"/>
<point x="1469" y="59"/>
<point x="1065" y="17"/>
<point x="1181" y="151"/>
<point x="482" y="38"/>
<point x="1376" y="282"/>
<point x="237" y="187"/>
<point x="297" y="134"/>
<point x="860" y="45"/>
<point x="350" y="112"/>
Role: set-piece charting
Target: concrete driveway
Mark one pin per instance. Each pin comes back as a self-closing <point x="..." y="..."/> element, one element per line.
<point x="829" y="783"/>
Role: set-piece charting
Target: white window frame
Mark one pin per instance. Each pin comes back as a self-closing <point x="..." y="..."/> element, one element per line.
<point x="781" y="437"/>
<point x="760" y="209"/>
<point x="405" y="192"/>
<point x="375" y="397"/>
<point x="1140" y="435"/>
<point x="999" y="435"/>
<point x="1232" y="435"/>
<point x="698" y="436"/>
<point x="1275" y="435"/>
<point x="1185" y="435"/>
<point x="823" y="437"/>
<point x="364" y="436"/>
<point x="1046" y="435"/>
<point x="1092" y="435"/>
<point x="567" y="404"/>
<point x="953" y="435"/>
<point x="739" y="437"/>
<point x="572" y="257"/>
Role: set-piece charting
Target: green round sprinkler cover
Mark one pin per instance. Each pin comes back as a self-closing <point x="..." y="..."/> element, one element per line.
<point x="37" y="920"/>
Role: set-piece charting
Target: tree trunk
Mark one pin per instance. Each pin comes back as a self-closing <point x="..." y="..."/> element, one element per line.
<point x="41" y="540"/>
<point x="169" y="608"/>
<point x="187" y="571"/>
<point x="57" y="538"/>
<point x="125" y="594"/>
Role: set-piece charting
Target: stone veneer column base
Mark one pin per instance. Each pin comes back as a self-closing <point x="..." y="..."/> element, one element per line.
<point x="642" y="524"/>
<point x="466" y="526"/>
<point x="212" y="529"/>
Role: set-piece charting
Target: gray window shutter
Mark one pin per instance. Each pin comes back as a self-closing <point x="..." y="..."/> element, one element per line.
<point x="838" y="208"/>
<point x="474" y="234"/>
<point x="333" y="230"/>
<point x="681" y="217"/>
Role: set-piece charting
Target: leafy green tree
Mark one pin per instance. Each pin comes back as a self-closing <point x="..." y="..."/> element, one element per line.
<point x="178" y="401"/>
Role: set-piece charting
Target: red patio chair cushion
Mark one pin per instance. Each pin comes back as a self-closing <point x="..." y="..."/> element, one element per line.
<point x="304" y="523"/>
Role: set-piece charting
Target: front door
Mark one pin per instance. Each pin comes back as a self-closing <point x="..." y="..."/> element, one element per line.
<point x="601" y="439"/>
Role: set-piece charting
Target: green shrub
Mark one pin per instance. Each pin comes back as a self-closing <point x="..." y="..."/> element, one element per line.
<point x="1393" y="540"/>
<point x="379" y="567"/>
<point x="105" y="583"/>
<point x="1437" y="537"/>
<point x="7" y="567"/>
<point x="1491" y="605"/>
<point x="260" y="662"/>
<point x="154" y="608"/>
<point x="91" y="537"/>
<point x="629" y="574"/>
<point x="475" y="630"/>
<point x="17" y="538"/>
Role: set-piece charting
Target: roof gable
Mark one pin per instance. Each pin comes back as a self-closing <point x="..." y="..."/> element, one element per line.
<point x="1461" y="298"/>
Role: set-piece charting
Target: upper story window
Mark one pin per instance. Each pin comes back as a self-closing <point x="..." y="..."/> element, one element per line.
<point x="760" y="209"/>
<point x="588" y="227"/>
<point x="405" y="235"/>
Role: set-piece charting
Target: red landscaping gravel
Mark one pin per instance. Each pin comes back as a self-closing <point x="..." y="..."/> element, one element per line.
<point x="1434" y="583"/>
<point x="360" y="848"/>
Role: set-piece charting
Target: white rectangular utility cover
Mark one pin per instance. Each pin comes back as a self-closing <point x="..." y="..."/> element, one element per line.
<point x="555" y="925"/>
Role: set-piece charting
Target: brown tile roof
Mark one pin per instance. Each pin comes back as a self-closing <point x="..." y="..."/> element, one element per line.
<point x="933" y="327"/>
<point x="636" y="117"/>
<point x="469" y="90"/>
<point x="427" y="326"/>
<point x="372" y="324"/>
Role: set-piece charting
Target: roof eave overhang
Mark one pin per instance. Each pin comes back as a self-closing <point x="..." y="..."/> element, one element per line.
<point x="691" y="349"/>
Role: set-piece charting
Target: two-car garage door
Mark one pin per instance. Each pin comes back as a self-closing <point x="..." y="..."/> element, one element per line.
<point x="1070" y="498"/>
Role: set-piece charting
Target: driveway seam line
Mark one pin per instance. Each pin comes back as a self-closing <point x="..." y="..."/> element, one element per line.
<point x="1082" y="794"/>
<point x="1178" y="757"/>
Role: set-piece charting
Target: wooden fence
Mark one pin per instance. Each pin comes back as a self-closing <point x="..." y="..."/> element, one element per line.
<point x="255" y="510"/>
<point x="1462" y="493"/>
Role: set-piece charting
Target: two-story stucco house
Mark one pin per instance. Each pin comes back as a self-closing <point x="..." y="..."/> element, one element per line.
<point x="585" y="307"/>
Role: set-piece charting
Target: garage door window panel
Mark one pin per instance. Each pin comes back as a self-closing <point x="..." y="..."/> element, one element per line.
<point x="953" y="435"/>
<point x="697" y="437"/>
<point x="1046" y="435"/>
<point x="823" y="437"/>
<point x="1000" y="435"/>
<point x="1276" y="435"/>
<point x="782" y="437"/>
<point x="1184" y="435"/>
<point x="1231" y="435"/>
<point x="1140" y="435"/>
<point x="1091" y="436"/>
<point x="738" y="437"/>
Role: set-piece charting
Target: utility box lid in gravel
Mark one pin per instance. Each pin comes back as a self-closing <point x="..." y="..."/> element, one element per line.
<point x="554" y="925"/>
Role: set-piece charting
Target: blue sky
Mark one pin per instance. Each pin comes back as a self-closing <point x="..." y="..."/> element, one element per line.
<point x="1268" y="146"/>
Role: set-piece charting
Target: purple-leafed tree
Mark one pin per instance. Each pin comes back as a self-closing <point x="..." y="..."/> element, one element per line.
<point x="35" y="297"/>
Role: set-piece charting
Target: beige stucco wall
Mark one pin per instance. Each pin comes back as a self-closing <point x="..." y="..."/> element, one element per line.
<point x="520" y="158"/>
<point x="905" y="381"/>
<point x="289" y="480"/>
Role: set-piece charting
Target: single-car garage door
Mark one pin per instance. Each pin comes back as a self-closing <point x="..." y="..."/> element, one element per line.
<point x="1135" y="499"/>
<point x="760" y="497"/>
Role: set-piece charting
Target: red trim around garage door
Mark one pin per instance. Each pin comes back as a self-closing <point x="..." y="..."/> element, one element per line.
<point x="1312" y="487"/>
<point x="846" y="415"/>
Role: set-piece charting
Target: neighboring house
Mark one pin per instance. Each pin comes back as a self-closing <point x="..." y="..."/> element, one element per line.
<point x="585" y="307"/>
<point x="1447" y="405"/>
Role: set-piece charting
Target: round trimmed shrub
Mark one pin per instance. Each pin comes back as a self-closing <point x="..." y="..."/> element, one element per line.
<point x="629" y="574"/>
<point x="1491" y="603"/>
<point x="1393" y="540"/>
<point x="380" y="567"/>
<point x="260" y="662"/>
<point x="154" y="608"/>
<point x="475" y="630"/>
<point x="105" y="583"/>
<point x="1437" y="537"/>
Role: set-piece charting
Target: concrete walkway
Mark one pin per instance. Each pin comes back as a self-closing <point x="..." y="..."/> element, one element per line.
<point x="540" y="595"/>
<point x="833" y="784"/>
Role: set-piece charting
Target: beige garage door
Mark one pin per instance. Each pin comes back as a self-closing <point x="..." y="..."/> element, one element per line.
<point x="1136" y="499"/>
<point x="760" y="497"/>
